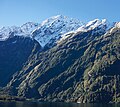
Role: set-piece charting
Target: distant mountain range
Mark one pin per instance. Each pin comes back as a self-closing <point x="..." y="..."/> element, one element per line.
<point x="61" y="59"/>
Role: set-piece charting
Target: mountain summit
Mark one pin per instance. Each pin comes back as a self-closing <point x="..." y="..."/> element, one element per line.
<point x="52" y="29"/>
<point x="48" y="32"/>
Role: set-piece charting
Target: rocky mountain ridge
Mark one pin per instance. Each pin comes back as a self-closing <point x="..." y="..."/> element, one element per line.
<point x="50" y="31"/>
<point x="80" y="62"/>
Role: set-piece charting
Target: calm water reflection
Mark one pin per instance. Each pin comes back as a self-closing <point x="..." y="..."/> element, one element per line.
<point x="34" y="104"/>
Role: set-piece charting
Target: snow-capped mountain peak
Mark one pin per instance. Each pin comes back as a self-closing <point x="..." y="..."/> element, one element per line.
<point x="117" y="25"/>
<point x="53" y="28"/>
<point x="93" y="23"/>
<point x="24" y="30"/>
<point x="28" y="27"/>
<point x="52" y="19"/>
<point x="46" y="33"/>
<point x="103" y="26"/>
<point x="6" y="31"/>
<point x="97" y="26"/>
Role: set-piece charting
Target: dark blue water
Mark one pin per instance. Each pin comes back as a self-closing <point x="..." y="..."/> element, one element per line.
<point x="35" y="104"/>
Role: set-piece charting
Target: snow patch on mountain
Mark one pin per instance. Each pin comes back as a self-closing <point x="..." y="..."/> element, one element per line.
<point x="103" y="24"/>
<point x="25" y="30"/>
<point x="6" y="31"/>
<point x="117" y="25"/>
<point x="55" y="29"/>
<point x="96" y="26"/>
<point x="46" y="33"/>
<point x="29" y="27"/>
<point x="52" y="29"/>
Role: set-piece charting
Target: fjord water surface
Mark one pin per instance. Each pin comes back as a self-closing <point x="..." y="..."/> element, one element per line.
<point x="48" y="104"/>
